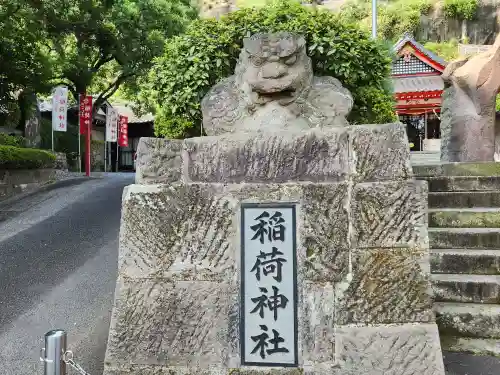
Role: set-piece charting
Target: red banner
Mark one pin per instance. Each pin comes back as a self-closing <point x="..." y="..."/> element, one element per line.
<point x="85" y="113"/>
<point x="123" y="131"/>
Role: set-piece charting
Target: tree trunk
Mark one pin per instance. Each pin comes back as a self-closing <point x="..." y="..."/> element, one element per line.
<point x="30" y="119"/>
<point x="464" y="32"/>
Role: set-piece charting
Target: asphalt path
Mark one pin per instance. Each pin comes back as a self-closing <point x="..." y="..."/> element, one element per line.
<point x="58" y="257"/>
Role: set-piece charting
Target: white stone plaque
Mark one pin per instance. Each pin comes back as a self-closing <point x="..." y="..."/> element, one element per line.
<point x="268" y="285"/>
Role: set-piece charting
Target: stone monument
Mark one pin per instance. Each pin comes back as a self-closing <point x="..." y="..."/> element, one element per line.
<point x="285" y="242"/>
<point x="468" y="131"/>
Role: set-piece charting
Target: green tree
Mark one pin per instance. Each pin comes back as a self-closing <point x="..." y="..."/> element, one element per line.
<point x="24" y="66"/>
<point x="103" y="44"/>
<point x="464" y="10"/>
<point x="395" y="17"/>
<point x="461" y="9"/>
<point x="209" y="49"/>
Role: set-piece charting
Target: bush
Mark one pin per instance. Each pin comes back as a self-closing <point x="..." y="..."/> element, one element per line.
<point x="25" y="158"/>
<point x="446" y="50"/>
<point x="209" y="49"/>
<point x="402" y="16"/>
<point x="461" y="9"/>
<point x="12" y="140"/>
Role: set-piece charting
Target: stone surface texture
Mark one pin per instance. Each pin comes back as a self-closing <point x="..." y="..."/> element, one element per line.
<point x="468" y="112"/>
<point x="364" y="153"/>
<point x="13" y="182"/>
<point x="363" y="293"/>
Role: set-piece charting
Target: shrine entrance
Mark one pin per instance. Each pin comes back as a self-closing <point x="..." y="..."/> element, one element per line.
<point x="418" y="90"/>
<point x="423" y="130"/>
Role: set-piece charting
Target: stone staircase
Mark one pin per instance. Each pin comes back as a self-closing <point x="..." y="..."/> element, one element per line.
<point x="464" y="236"/>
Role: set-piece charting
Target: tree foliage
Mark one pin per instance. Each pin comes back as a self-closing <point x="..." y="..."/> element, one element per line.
<point x="106" y="43"/>
<point x="24" y="66"/>
<point x="461" y="9"/>
<point x="395" y="17"/>
<point x="209" y="49"/>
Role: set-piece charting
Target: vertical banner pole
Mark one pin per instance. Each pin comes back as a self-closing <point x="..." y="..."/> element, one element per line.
<point x="79" y="152"/>
<point x="105" y="155"/>
<point x="117" y="155"/>
<point x="79" y="132"/>
<point x="87" y="149"/>
<point x="86" y="127"/>
<point x="374" y="19"/>
<point x="59" y="112"/>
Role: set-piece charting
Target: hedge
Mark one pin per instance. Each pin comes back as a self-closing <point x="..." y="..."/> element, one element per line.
<point x="208" y="51"/>
<point x="25" y="158"/>
<point x="12" y="140"/>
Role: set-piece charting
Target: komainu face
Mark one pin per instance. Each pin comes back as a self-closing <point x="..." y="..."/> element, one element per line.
<point x="273" y="87"/>
<point x="273" y="67"/>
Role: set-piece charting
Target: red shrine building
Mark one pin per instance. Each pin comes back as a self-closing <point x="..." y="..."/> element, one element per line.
<point x="418" y="87"/>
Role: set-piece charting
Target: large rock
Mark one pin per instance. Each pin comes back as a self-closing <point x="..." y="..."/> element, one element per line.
<point x="355" y="277"/>
<point x="468" y="112"/>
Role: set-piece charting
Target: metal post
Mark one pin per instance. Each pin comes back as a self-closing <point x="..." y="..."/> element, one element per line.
<point x="426" y="135"/>
<point x="105" y="156"/>
<point x="53" y="353"/>
<point x="88" y="149"/>
<point x="79" y="153"/>
<point x="52" y="137"/>
<point x="117" y="155"/>
<point x="374" y="19"/>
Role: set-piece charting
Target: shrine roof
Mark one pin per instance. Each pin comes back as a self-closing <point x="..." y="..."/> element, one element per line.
<point x="408" y="38"/>
<point x="418" y="84"/>
<point x="126" y="109"/>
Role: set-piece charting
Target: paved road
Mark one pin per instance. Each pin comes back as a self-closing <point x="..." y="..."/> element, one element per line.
<point x="58" y="270"/>
<point x="58" y="258"/>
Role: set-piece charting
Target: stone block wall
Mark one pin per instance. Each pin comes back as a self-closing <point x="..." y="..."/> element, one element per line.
<point x="13" y="182"/>
<point x="364" y="301"/>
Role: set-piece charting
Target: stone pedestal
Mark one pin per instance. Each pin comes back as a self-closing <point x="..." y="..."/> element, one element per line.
<point x="363" y="294"/>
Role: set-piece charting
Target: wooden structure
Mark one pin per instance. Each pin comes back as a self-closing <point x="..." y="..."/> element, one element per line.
<point x="418" y="87"/>
<point x="138" y="127"/>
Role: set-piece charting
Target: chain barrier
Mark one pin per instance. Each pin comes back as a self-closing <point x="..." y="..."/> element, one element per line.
<point x="56" y="357"/>
<point x="68" y="359"/>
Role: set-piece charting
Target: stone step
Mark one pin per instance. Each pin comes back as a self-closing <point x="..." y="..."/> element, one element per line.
<point x="458" y="169"/>
<point x="489" y="347"/>
<point x="464" y="199"/>
<point x="479" y="217"/>
<point x="472" y="320"/>
<point x="464" y="261"/>
<point x="462" y="183"/>
<point x="464" y="238"/>
<point x="466" y="288"/>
